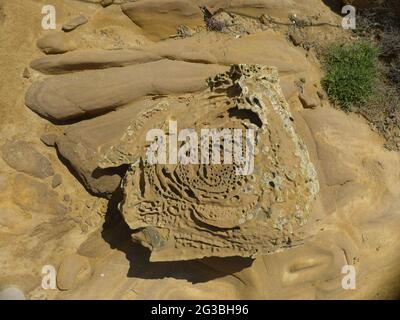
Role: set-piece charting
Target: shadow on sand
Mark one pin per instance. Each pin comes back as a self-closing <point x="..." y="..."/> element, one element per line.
<point x="118" y="235"/>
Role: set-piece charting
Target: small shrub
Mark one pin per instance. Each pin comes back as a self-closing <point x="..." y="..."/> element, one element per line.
<point x="351" y="73"/>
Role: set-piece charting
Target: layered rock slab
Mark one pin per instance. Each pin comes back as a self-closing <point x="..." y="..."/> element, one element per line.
<point x="149" y="71"/>
<point x="190" y="211"/>
<point x="84" y="144"/>
<point x="55" y="42"/>
<point x="268" y="48"/>
<point x="23" y="157"/>
<point x="74" y="23"/>
<point x="73" y="95"/>
<point x="160" y="19"/>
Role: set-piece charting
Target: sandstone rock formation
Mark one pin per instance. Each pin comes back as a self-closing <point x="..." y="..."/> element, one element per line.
<point x="83" y="144"/>
<point x="21" y="156"/>
<point x="73" y="270"/>
<point x="34" y="196"/>
<point x="55" y="42"/>
<point x="146" y="72"/>
<point x="186" y="212"/>
<point x="68" y="96"/>
<point x="138" y="231"/>
<point x="161" y="19"/>
<point x="74" y="23"/>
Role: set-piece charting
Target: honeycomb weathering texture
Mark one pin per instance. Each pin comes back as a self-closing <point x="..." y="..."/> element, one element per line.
<point x="183" y="212"/>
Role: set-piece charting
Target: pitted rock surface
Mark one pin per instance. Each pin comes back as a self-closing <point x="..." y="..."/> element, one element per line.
<point x="188" y="211"/>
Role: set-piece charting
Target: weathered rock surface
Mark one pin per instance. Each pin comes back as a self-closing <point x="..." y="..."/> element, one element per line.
<point x="74" y="23"/>
<point x="361" y="215"/>
<point x="49" y="139"/>
<point x="161" y="19"/>
<point x="148" y="71"/>
<point x="94" y="59"/>
<point x="9" y="218"/>
<point x="55" y="42"/>
<point x="184" y="212"/>
<point x="188" y="57"/>
<point x="106" y="3"/>
<point x="268" y="48"/>
<point x="34" y="196"/>
<point x="309" y="102"/>
<point x="356" y="211"/>
<point x="252" y="8"/>
<point x="23" y="157"/>
<point x="73" y="270"/>
<point x="83" y="145"/>
<point x="56" y="181"/>
<point x="69" y="96"/>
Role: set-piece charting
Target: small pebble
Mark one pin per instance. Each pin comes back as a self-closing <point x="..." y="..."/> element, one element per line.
<point x="74" y="23"/>
<point x="57" y="180"/>
<point x="106" y="3"/>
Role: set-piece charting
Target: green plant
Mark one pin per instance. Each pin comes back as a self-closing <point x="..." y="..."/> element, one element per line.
<point x="351" y="73"/>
